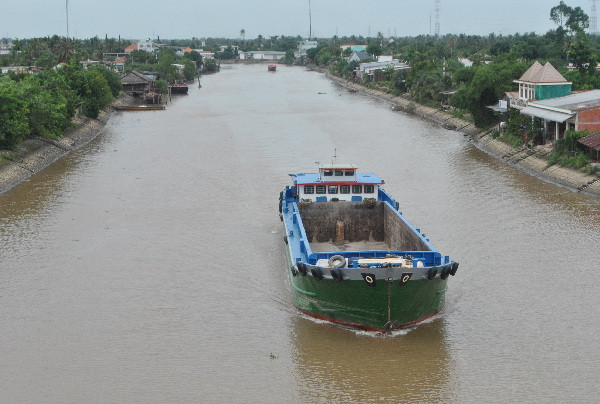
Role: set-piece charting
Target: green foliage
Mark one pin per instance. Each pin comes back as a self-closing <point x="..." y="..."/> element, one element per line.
<point x="568" y="152"/>
<point x="48" y="114"/>
<point x="13" y="114"/>
<point x="210" y="65"/>
<point x="189" y="69"/>
<point x="99" y="94"/>
<point x="374" y="49"/>
<point x="112" y="79"/>
<point x="489" y="84"/>
<point x="161" y="86"/>
<point x="196" y="57"/>
<point x="289" y="57"/>
<point x="228" y="53"/>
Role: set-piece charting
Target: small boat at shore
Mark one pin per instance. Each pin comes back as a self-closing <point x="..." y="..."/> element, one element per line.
<point x="179" y="88"/>
<point x="353" y="258"/>
<point x="138" y="107"/>
<point x="272" y="67"/>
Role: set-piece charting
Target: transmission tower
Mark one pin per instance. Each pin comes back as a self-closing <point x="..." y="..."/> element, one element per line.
<point x="67" y="8"/>
<point x="593" y="19"/>
<point x="437" y="17"/>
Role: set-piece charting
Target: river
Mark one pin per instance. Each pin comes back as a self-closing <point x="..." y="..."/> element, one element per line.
<point x="149" y="266"/>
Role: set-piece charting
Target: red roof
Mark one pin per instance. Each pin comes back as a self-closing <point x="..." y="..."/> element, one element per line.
<point x="593" y="141"/>
<point x="131" y="47"/>
<point x="186" y="50"/>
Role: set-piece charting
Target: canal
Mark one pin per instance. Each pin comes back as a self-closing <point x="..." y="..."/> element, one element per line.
<point x="149" y="266"/>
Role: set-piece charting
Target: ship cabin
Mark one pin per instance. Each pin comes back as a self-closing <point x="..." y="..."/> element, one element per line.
<point x="336" y="182"/>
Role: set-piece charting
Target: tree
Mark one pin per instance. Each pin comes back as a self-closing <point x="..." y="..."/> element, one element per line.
<point x="13" y="114"/>
<point x="189" y="69"/>
<point x="196" y="57"/>
<point x="374" y="49"/>
<point x="47" y="60"/>
<point x="289" y="57"/>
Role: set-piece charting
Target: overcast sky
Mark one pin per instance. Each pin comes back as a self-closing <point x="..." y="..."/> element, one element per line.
<point x="225" y="18"/>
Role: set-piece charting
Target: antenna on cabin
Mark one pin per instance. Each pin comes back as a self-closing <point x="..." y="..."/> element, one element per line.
<point x="335" y="156"/>
<point x="67" y="8"/>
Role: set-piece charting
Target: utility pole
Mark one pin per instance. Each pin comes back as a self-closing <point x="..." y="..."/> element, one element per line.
<point x="593" y="19"/>
<point x="437" y="17"/>
<point x="309" y="22"/>
<point x="67" y="8"/>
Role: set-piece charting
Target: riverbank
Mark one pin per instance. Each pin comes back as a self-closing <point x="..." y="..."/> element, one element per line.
<point x="35" y="154"/>
<point x="531" y="161"/>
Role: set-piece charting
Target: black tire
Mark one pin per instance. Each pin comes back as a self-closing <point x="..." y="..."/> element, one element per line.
<point x="337" y="261"/>
<point x="337" y="275"/>
<point x="280" y="206"/>
<point x="432" y="273"/>
<point x="301" y="268"/>
<point x="294" y="272"/>
<point x="285" y="239"/>
<point x="454" y="268"/>
<point x="445" y="272"/>
<point x="316" y="273"/>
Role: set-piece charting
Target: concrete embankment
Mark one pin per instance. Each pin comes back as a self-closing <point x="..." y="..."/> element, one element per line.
<point x="531" y="161"/>
<point x="35" y="154"/>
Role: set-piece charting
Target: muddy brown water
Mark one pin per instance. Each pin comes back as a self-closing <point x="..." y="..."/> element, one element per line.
<point x="149" y="265"/>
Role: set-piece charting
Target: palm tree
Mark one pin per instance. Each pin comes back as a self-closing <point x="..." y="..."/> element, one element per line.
<point x="243" y="34"/>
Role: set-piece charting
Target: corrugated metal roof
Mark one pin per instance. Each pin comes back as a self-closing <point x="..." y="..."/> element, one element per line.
<point x="546" y="114"/>
<point x="572" y="101"/>
<point x="592" y="141"/>
<point x="313" y="178"/>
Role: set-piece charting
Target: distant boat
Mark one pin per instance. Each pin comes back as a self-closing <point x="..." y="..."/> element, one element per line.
<point x="179" y="89"/>
<point x="138" y="107"/>
<point x="272" y="67"/>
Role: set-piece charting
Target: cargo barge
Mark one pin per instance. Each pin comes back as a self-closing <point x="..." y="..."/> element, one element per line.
<point x="353" y="258"/>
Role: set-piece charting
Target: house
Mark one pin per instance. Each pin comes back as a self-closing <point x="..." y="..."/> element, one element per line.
<point x="234" y="47"/>
<point x="578" y="111"/>
<point x="540" y="83"/>
<point x="358" y="48"/>
<point x="366" y="70"/>
<point x="305" y="45"/>
<point x="146" y="46"/>
<point x="359" y="57"/>
<point x="87" y="63"/>
<point x="385" y="58"/>
<point x="131" y="48"/>
<point x="205" y="54"/>
<point x="262" y="55"/>
<point x="136" y="83"/>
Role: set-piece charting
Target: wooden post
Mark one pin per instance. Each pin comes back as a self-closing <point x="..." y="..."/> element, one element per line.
<point x="339" y="234"/>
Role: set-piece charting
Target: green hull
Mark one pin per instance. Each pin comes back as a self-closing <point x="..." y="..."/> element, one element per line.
<point x="380" y="307"/>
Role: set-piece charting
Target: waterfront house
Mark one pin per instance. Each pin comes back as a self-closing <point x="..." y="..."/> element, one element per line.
<point x="136" y="84"/>
<point x="578" y="111"/>
<point x="540" y="83"/>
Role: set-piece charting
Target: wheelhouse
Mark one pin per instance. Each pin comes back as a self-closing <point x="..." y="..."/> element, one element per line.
<point x="336" y="182"/>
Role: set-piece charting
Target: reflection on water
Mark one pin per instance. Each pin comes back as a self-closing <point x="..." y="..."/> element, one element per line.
<point x="336" y="365"/>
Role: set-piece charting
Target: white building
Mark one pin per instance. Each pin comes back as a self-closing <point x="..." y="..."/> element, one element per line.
<point x="146" y="46"/>
<point x="365" y="70"/>
<point x="262" y="55"/>
<point x="305" y="45"/>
